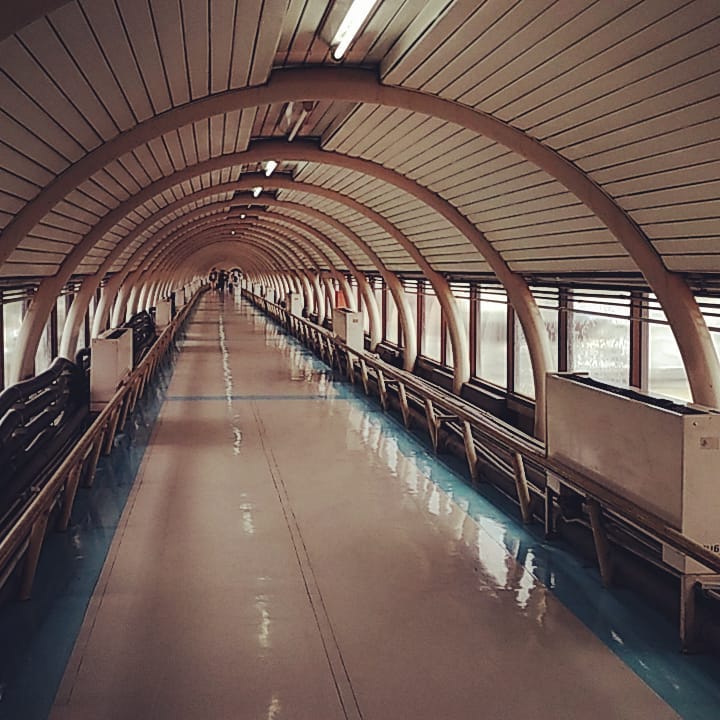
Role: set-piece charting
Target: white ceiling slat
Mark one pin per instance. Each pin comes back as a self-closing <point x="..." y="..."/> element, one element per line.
<point x="517" y="34"/>
<point x="176" y="148"/>
<point x="222" y="24"/>
<point x="686" y="157"/>
<point x="22" y="168"/>
<point x="436" y="19"/>
<point x="109" y="31"/>
<point x="169" y="28"/>
<point x="635" y="50"/>
<point x="590" y="265"/>
<point x="201" y="131"/>
<point x="217" y="132"/>
<point x="21" y="117"/>
<point x="677" y="177"/>
<point x="567" y="24"/>
<point x="700" y="192"/>
<point x="45" y="47"/>
<point x="138" y="172"/>
<point x="111" y="186"/>
<point x="669" y="89"/>
<point x="17" y="136"/>
<point x="62" y="222"/>
<point x="39" y="103"/>
<point x="268" y="39"/>
<point x="15" y="268"/>
<point x="140" y="27"/>
<point x="702" y="132"/>
<point x="70" y="24"/>
<point x="195" y="33"/>
<point x="677" y="213"/>
<point x="33" y="242"/>
<point x="123" y="177"/>
<point x="242" y="141"/>
<point x="245" y="29"/>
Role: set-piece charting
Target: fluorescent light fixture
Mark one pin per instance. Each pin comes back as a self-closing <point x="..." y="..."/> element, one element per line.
<point x="256" y="191"/>
<point x="243" y="216"/>
<point x="270" y="166"/>
<point x="350" y="26"/>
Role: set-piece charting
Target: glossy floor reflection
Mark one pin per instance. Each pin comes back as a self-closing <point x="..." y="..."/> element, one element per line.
<point x="287" y="552"/>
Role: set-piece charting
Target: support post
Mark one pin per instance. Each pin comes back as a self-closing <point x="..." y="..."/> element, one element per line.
<point x="470" y="452"/>
<point x="521" y="487"/>
<point x="602" y="547"/>
<point x="32" y="555"/>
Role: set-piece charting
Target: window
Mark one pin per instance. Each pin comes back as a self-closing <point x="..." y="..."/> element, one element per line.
<point x="391" y="318"/>
<point x="13" y="313"/>
<point x="411" y="295"/>
<point x="666" y="372"/>
<point x="599" y="335"/>
<point x="461" y="293"/>
<point x="547" y="300"/>
<point x="43" y="354"/>
<point x="61" y="309"/>
<point x="491" y="349"/>
<point x="431" y="331"/>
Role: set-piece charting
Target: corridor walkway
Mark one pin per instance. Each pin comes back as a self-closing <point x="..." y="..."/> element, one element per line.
<point x="283" y="555"/>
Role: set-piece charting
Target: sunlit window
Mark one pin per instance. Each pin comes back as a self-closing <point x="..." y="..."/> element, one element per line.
<point x="43" y="355"/>
<point x="666" y="372"/>
<point x="547" y="300"/>
<point x="410" y="288"/>
<point x="491" y="348"/>
<point x="599" y="335"/>
<point x="61" y="306"/>
<point x="391" y="318"/>
<point x="461" y="293"/>
<point x="13" y="313"/>
<point x="430" y="341"/>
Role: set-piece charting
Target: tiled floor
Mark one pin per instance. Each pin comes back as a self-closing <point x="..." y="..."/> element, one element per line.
<point x="279" y="559"/>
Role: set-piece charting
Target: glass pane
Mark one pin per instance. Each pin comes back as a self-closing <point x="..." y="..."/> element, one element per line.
<point x="491" y="355"/>
<point x="599" y="337"/>
<point x="411" y="290"/>
<point x="61" y="305"/>
<point x="666" y="372"/>
<point x="12" y="318"/>
<point x="431" y="325"/>
<point x="391" y="321"/>
<point x="43" y="354"/>
<point x="461" y="292"/>
<point x="548" y="304"/>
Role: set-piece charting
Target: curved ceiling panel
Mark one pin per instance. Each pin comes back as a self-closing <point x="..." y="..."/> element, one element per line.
<point x="625" y="91"/>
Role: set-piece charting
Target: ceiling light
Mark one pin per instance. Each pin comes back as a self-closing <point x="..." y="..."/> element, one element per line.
<point x="350" y="26"/>
<point x="256" y="191"/>
<point x="232" y="232"/>
<point x="243" y="216"/>
<point x="270" y="165"/>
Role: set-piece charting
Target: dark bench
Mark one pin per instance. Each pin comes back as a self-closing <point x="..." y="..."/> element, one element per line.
<point x="40" y="420"/>
<point x="144" y="334"/>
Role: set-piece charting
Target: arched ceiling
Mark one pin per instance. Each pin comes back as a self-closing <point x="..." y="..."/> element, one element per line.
<point x="627" y="92"/>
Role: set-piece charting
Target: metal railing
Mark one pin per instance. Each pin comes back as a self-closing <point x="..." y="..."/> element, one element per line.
<point x="24" y="540"/>
<point x="482" y="434"/>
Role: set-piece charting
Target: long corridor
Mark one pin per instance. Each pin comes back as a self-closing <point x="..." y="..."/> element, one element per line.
<point x="282" y="555"/>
